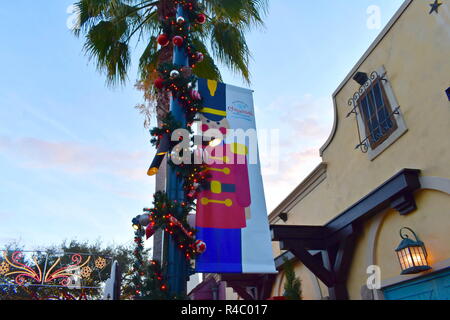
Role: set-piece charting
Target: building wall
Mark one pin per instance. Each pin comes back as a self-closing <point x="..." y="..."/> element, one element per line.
<point x="431" y="223"/>
<point x="415" y="53"/>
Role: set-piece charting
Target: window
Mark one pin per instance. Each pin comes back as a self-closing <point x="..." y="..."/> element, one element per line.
<point x="377" y="114"/>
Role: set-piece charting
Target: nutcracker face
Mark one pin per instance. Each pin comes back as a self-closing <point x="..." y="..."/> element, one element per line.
<point x="213" y="129"/>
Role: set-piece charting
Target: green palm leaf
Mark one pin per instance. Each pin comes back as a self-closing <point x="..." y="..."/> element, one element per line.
<point x="109" y="27"/>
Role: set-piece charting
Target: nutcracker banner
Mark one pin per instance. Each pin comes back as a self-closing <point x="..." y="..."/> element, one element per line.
<point x="231" y="216"/>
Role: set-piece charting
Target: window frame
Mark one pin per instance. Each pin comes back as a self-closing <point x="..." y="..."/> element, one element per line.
<point x="375" y="150"/>
<point x="374" y="144"/>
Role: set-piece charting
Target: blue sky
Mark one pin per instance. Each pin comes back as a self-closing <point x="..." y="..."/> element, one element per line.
<point x="74" y="153"/>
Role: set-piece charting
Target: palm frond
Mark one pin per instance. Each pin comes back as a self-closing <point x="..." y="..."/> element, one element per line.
<point x="206" y="69"/>
<point x="110" y="25"/>
<point x="103" y="42"/>
<point x="229" y="46"/>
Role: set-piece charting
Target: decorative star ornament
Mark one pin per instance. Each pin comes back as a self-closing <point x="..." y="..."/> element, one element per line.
<point x="435" y="6"/>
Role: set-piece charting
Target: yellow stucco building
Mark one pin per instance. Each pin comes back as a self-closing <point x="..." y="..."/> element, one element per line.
<point x="341" y="224"/>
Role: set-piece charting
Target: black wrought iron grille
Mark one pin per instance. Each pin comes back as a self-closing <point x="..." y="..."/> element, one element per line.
<point x="376" y="112"/>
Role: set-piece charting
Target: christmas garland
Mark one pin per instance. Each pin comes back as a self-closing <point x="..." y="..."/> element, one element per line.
<point x="168" y="126"/>
<point x="180" y="31"/>
<point x="180" y="81"/>
<point x="161" y="216"/>
<point x="138" y="262"/>
<point x="149" y="281"/>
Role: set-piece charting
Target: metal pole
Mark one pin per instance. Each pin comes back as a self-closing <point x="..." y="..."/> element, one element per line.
<point x="177" y="268"/>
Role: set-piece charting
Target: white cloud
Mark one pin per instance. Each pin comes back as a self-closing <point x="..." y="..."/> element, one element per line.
<point x="304" y="125"/>
<point x="76" y="158"/>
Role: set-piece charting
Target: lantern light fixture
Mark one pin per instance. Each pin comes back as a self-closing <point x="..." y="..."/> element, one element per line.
<point x="283" y="216"/>
<point x="412" y="254"/>
<point x="135" y="223"/>
<point x="361" y="78"/>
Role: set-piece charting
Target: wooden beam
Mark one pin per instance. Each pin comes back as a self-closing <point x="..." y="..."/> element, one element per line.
<point x="298" y="232"/>
<point x="310" y="262"/>
<point x="266" y="287"/>
<point x="242" y="292"/>
<point x="343" y="258"/>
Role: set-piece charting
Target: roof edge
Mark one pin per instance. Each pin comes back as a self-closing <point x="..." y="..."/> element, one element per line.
<point x="364" y="57"/>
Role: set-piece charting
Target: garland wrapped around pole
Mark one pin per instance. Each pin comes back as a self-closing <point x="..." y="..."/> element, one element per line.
<point x="148" y="280"/>
<point x="172" y="208"/>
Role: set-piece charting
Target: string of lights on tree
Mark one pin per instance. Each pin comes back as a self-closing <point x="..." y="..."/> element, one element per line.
<point x="180" y="82"/>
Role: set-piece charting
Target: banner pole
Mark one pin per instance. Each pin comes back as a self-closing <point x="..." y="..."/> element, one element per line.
<point x="177" y="265"/>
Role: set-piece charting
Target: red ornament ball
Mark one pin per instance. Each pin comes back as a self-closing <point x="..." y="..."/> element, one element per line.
<point x="159" y="83"/>
<point x="163" y="40"/>
<point x="200" y="246"/>
<point x="201" y="18"/>
<point x="200" y="57"/>
<point x="178" y="41"/>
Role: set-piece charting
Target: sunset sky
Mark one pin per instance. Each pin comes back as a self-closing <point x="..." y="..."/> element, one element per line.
<point x="74" y="152"/>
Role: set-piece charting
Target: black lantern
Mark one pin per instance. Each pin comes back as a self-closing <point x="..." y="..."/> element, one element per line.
<point x="412" y="254"/>
<point x="283" y="216"/>
<point x="361" y="78"/>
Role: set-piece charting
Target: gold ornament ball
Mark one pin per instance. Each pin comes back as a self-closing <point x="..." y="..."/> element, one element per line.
<point x="100" y="262"/>
<point x="4" y="268"/>
<point x="86" y="272"/>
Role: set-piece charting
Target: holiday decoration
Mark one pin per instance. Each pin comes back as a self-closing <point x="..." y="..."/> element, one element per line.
<point x="159" y="83"/>
<point x="180" y="82"/>
<point x="435" y="6"/>
<point x="100" y="262"/>
<point x="230" y="211"/>
<point x="163" y="148"/>
<point x="60" y="269"/>
<point x="200" y="246"/>
<point x="201" y="18"/>
<point x="196" y="95"/>
<point x="200" y="57"/>
<point x="174" y="74"/>
<point x="86" y="272"/>
<point x="163" y="40"/>
<point x="4" y="268"/>
<point x="150" y="230"/>
<point x="161" y="217"/>
<point x="178" y="41"/>
<point x="149" y="281"/>
<point x="144" y="219"/>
